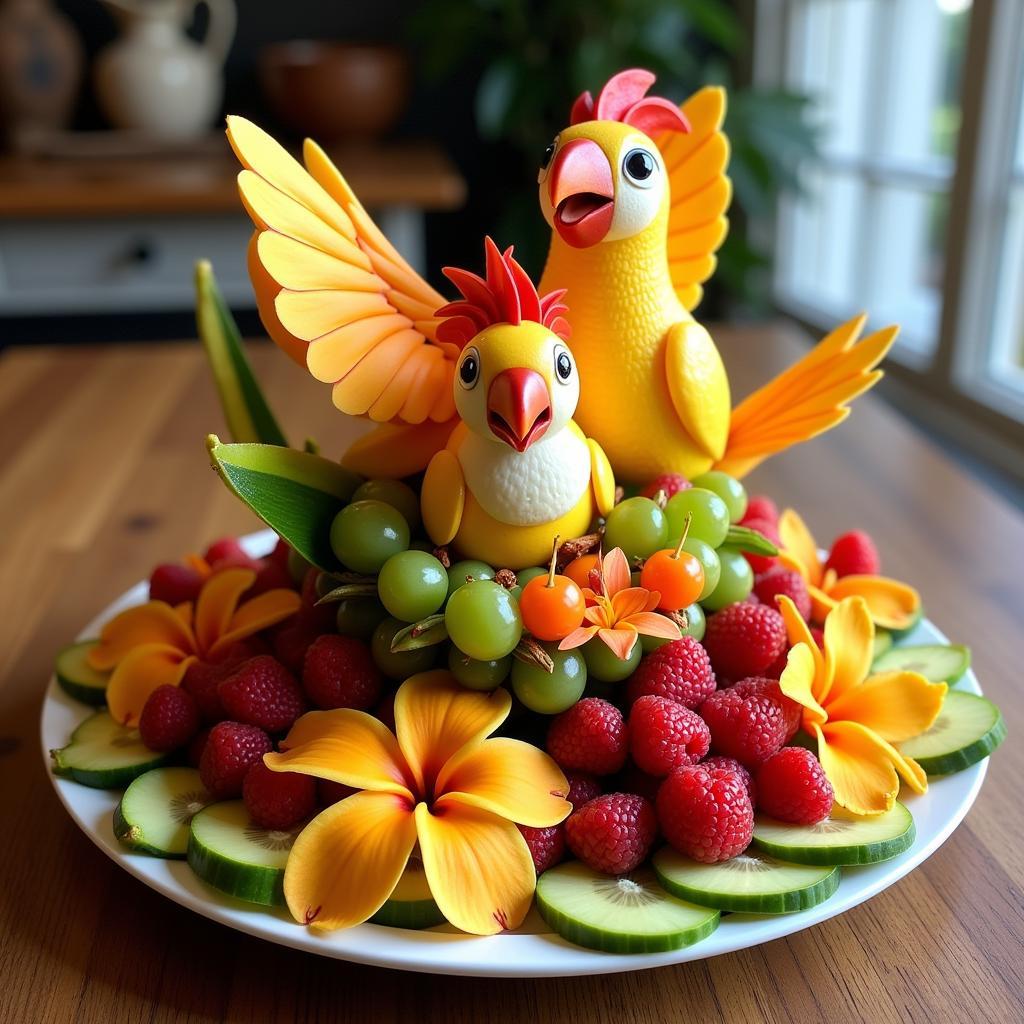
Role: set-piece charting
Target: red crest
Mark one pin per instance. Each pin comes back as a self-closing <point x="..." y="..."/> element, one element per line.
<point x="624" y="98"/>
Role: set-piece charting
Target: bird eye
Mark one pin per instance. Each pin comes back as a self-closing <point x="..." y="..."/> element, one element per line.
<point x="639" y="165"/>
<point x="563" y="364"/>
<point x="469" y="369"/>
<point x="545" y="160"/>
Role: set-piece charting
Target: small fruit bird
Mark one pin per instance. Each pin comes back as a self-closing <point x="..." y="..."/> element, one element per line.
<point x="636" y="192"/>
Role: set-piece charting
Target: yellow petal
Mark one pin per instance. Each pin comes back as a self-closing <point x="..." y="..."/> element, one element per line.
<point x="478" y="867"/>
<point x="799" y="632"/>
<point x="893" y="605"/>
<point x="217" y="603"/>
<point x="267" y="609"/>
<point x="615" y="570"/>
<point x="509" y="777"/>
<point x="849" y="648"/>
<point x="139" y="673"/>
<point x="631" y="601"/>
<point x="578" y="637"/>
<point x="152" y="623"/>
<point x="798" y="681"/>
<point x="896" y="705"/>
<point x="799" y="544"/>
<point x="347" y="861"/>
<point x="435" y="718"/>
<point x="346" y="746"/>
<point x="821" y="604"/>
<point x="620" y="641"/>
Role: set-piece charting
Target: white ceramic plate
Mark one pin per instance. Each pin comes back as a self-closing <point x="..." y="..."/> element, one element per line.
<point x="532" y="951"/>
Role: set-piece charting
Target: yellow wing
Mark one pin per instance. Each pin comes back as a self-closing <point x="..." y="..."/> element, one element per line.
<point x="334" y="293"/>
<point x="443" y="497"/>
<point x="700" y="193"/>
<point x="698" y="386"/>
<point x="602" y="479"/>
<point x="809" y="398"/>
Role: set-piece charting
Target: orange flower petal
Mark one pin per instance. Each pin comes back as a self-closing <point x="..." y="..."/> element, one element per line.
<point x="508" y="777"/>
<point x="799" y="632"/>
<point x="265" y="610"/>
<point x="435" y="718"/>
<point x="849" y="649"/>
<point x="578" y="637"/>
<point x="347" y="861"/>
<point x="620" y="641"/>
<point x="139" y="673"/>
<point x="350" y="747"/>
<point x="896" y="705"/>
<point x="600" y="613"/>
<point x="478" y="867"/>
<point x="799" y="544"/>
<point x="152" y="623"/>
<point x="893" y="605"/>
<point x="652" y="624"/>
<point x="798" y="681"/>
<point x="630" y="601"/>
<point x="616" y="573"/>
<point x="217" y="603"/>
<point x="821" y="604"/>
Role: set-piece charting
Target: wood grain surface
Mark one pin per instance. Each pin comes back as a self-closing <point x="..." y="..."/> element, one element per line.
<point x="103" y="473"/>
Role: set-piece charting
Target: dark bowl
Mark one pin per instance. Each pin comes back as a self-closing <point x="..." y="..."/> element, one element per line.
<point x="335" y="91"/>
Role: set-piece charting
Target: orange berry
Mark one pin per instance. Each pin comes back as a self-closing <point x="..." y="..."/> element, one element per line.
<point x="578" y="570"/>
<point x="551" y="607"/>
<point x="677" y="575"/>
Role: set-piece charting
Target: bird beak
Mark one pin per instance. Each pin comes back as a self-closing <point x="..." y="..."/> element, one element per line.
<point x="582" y="193"/>
<point x="518" y="407"/>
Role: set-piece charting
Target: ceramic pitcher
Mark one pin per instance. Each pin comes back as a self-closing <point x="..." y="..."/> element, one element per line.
<point x="155" y="78"/>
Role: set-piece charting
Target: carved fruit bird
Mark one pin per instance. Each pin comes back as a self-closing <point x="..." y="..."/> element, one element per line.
<point x="636" y="192"/>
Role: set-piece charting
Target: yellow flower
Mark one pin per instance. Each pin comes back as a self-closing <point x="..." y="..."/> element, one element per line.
<point x="856" y="717"/>
<point x="153" y="644"/>
<point x="892" y="604"/>
<point x="621" y="612"/>
<point x="438" y="781"/>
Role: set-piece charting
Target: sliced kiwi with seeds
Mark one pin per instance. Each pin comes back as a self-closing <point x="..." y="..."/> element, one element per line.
<point x="154" y="814"/>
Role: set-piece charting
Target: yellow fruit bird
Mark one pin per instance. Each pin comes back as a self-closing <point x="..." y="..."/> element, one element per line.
<point x="636" y="192"/>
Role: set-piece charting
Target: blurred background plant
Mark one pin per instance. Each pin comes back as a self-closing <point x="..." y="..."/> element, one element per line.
<point x="531" y="58"/>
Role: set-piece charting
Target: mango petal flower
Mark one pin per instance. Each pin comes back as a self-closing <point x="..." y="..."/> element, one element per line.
<point x="439" y="781"/>
<point x="856" y="717"/>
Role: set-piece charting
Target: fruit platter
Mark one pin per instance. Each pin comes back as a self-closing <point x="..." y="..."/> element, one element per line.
<point x="527" y="683"/>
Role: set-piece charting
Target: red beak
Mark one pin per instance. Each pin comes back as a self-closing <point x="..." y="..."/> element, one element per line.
<point x="582" y="193"/>
<point x="518" y="407"/>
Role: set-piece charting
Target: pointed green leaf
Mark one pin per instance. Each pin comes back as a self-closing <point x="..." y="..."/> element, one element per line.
<point x="298" y="494"/>
<point x="426" y="633"/>
<point x="750" y="541"/>
<point x="248" y="416"/>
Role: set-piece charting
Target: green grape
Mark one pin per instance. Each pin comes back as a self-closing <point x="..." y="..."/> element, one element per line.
<point x="637" y="526"/>
<point x="708" y="558"/>
<point x="360" y="616"/>
<point x="393" y="493"/>
<point x="728" y="488"/>
<point x="695" y="622"/>
<point x="549" y="693"/>
<point x="652" y="643"/>
<point x="298" y="566"/>
<point x="483" y="620"/>
<point x="365" y="534"/>
<point x="603" y="664"/>
<point x="710" y="516"/>
<point x="460" y="570"/>
<point x="735" y="583"/>
<point x="478" y="675"/>
<point x="523" y="576"/>
<point x="400" y="665"/>
<point x="412" y="585"/>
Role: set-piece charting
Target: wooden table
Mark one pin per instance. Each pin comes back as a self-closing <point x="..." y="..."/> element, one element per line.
<point x="103" y="473"/>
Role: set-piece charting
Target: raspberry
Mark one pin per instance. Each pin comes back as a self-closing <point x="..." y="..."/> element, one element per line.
<point x="231" y="750"/>
<point x="278" y="799"/>
<point x="202" y="680"/>
<point x="760" y="506"/>
<point x="744" y="639"/>
<point x="854" y="554"/>
<point x="633" y="780"/>
<point x="226" y="549"/>
<point x="262" y="692"/>
<point x="582" y="789"/>
<point x="670" y="483"/>
<point x="290" y="641"/>
<point x="169" y="719"/>
<point x="589" y="737"/>
<point x="339" y="673"/>
<point x="320" y="618"/>
<point x="818" y="635"/>
<point x="664" y="735"/>
<point x="613" y="833"/>
<point x="196" y="747"/>
<point x="279" y="556"/>
<point x="777" y="667"/>
<point x="705" y="813"/>
<point x="680" y="670"/>
<point x="748" y="727"/>
<point x="329" y="792"/>
<point x="174" y="584"/>
<point x="730" y="764"/>
<point x="781" y="580"/>
<point x="547" y="845"/>
<point x="793" y="787"/>
<point x="271" y="577"/>
<point x="792" y="713"/>
<point x="762" y="563"/>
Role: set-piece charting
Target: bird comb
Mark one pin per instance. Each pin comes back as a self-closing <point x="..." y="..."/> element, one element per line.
<point x="505" y="296"/>
<point x="624" y="98"/>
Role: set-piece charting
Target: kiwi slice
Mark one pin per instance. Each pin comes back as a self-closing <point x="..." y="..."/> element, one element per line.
<point x="842" y="838"/>
<point x="156" y="810"/>
<point x="104" y="754"/>
<point x="77" y="677"/>
<point x="753" y="882"/>
<point x="968" y="729"/>
<point x="619" y="914"/>
<point x="940" y="663"/>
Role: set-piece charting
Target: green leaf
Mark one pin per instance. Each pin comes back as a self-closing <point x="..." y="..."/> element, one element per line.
<point x="750" y="541"/>
<point x="298" y="494"/>
<point x="248" y="416"/>
<point x="427" y="632"/>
